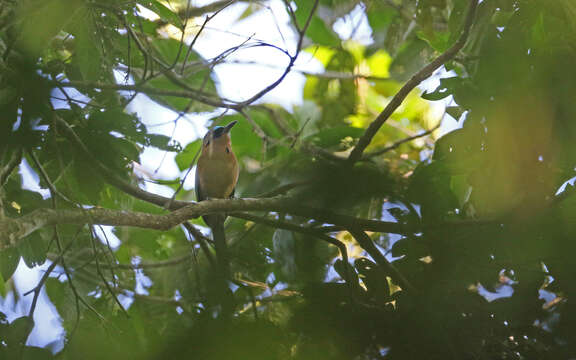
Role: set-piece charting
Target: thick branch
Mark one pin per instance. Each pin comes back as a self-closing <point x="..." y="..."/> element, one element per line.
<point x="414" y="81"/>
<point x="12" y="230"/>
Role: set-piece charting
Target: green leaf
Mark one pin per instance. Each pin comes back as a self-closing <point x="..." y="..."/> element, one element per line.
<point x="501" y="17"/>
<point x="186" y="157"/>
<point x="321" y="34"/>
<point x="172" y="50"/>
<point x="20" y="330"/>
<point x="430" y="187"/>
<point x="87" y="52"/>
<point x="372" y="276"/>
<point x="34" y="247"/>
<point x="456" y="19"/>
<point x="115" y="119"/>
<point x="163" y="142"/>
<point x="40" y="21"/>
<point x="252" y="9"/>
<point x="284" y="252"/>
<point x="410" y="246"/>
<point x="85" y="185"/>
<point x="303" y="10"/>
<point x="430" y="20"/>
<point x="337" y="97"/>
<point x="381" y="16"/>
<point x="146" y="26"/>
<point x="461" y="188"/>
<point x="2" y="286"/>
<point x="165" y="13"/>
<point x="334" y="136"/>
<point x="9" y="259"/>
<point x="455" y="111"/>
<point x="62" y="297"/>
<point x="445" y="89"/>
<point x="410" y="58"/>
<point x="36" y="353"/>
<point x="439" y="41"/>
<point x="346" y="271"/>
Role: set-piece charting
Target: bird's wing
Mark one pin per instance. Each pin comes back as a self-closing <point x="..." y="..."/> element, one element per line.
<point x="197" y="187"/>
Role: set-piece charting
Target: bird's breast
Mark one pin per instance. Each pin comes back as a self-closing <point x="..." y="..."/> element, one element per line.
<point x="218" y="174"/>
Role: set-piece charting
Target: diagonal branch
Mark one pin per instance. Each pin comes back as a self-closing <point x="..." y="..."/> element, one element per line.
<point x="414" y="81"/>
<point x="13" y="162"/>
<point x="367" y="244"/>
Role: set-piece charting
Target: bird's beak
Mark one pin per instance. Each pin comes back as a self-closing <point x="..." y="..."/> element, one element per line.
<point x="229" y="126"/>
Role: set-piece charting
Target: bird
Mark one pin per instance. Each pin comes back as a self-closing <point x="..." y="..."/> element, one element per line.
<point x="217" y="174"/>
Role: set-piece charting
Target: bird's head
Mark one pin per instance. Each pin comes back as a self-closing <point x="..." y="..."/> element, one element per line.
<point x="218" y="139"/>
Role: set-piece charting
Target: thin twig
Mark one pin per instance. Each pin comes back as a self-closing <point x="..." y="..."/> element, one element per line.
<point x="255" y="127"/>
<point x="202" y="240"/>
<point x="99" y="270"/>
<point x="150" y="265"/>
<point x="293" y="58"/>
<point x="36" y="290"/>
<point x="283" y="189"/>
<point x="399" y="142"/>
<point x="51" y="187"/>
<point x="206" y="21"/>
<point x="38" y="287"/>
<point x="200" y="96"/>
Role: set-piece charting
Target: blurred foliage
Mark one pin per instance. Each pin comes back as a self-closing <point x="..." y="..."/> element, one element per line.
<point x="490" y="256"/>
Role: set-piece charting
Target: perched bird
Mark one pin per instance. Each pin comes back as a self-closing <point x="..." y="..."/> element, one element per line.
<point x="216" y="178"/>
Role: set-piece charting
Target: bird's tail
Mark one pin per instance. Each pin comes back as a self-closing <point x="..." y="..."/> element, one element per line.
<point x="221" y="248"/>
<point x="225" y="297"/>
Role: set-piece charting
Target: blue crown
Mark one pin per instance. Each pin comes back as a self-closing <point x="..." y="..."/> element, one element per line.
<point x="218" y="131"/>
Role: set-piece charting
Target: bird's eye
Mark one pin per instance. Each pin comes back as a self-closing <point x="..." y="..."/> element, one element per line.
<point x="207" y="143"/>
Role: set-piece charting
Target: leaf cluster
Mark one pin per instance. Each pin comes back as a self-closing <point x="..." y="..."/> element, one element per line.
<point x="480" y="268"/>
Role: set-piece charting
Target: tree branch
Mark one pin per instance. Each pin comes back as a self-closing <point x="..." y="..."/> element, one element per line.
<point x="14" y="229"/>
<point x="399" y="142"/>
<point x="187" y="94"/>
<point x="10" y="166"/>
<point x="414" y="81"/>
<point x="367" y="244"/>
<point x="301" y="34"/>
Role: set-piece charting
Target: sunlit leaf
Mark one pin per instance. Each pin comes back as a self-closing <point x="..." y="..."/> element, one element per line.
<point x="164" y="12"/>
